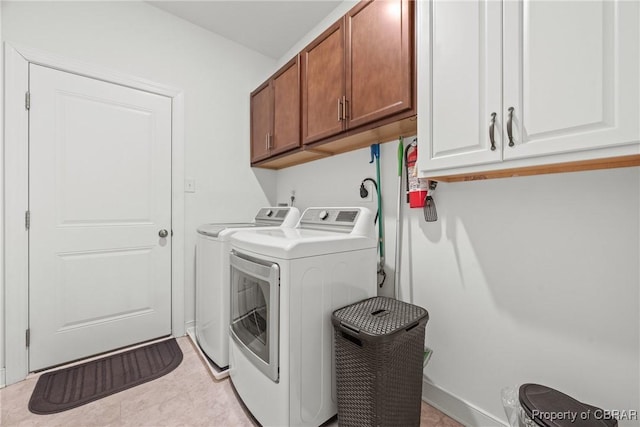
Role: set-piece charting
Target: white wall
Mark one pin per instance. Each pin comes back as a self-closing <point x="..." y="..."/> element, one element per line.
<point x="532" y="279"/>
<point x="216" y="75"/>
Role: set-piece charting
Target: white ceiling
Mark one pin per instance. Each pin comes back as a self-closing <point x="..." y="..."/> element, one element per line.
<point x="269" y="27"/>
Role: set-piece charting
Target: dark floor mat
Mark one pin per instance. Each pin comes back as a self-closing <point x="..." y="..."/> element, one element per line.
<point x="78" y="385"/>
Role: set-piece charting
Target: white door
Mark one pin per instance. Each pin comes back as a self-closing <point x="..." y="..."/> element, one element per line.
<point x="571" y="75"/>
<point x="459" y="83"/>
<point x="99" y="195"/>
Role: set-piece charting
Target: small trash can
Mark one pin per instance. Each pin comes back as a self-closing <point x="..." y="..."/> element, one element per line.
<point x="379" y="346"/>
<point x="546" y="407"/>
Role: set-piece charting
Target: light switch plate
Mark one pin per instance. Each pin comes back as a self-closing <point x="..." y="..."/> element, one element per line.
<point x="190" y="185"/>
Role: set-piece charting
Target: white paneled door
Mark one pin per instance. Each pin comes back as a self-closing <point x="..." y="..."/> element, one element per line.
<point x="100" y="216"/>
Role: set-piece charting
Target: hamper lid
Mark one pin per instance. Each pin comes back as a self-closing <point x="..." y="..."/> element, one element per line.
<point x="550" y="408"/>
<point x="379" y="316"/>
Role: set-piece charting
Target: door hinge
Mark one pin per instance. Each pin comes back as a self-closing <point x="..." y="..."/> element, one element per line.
<point x="27" y="219"/>
<point x="27" y="100"/>
<point x="27" y="336"/>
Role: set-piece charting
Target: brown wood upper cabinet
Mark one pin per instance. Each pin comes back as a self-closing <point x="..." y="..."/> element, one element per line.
<point x="323" y="85"/>
<point x="275" y="113"/>
<point x="359" y="70"/>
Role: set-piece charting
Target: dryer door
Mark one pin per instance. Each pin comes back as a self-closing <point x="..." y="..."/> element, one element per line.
<point x="255" y="315"/>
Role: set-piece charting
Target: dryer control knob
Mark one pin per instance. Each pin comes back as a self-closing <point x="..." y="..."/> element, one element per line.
<point x="323" y="215"/>
<point x="269" y="212"/>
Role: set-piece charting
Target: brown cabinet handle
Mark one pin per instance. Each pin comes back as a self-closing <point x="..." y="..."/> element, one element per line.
<point x="492" y="125"/>
<point x="345" y="113"/>
<point x="339" y="110"/>
<point x="510" y="127"/>
<point x="266" y="141"/>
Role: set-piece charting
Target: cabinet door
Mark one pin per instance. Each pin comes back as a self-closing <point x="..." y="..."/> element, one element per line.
<point x="323" y="85"/>
<point x="571" y="75"/>
<point x="379" y="60"/>
<point x="261" y="107"/>
<point x="286" y="108"/>
<point x="459" y="82"/>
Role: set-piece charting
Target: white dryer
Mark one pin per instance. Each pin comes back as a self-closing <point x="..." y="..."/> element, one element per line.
<point x="212" y="278"/>
<point x="284" y="286"/>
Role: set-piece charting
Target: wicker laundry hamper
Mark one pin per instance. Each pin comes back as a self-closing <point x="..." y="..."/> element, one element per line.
<point x="379" y="352"/>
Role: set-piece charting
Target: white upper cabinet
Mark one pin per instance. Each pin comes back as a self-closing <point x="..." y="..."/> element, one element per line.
<point x="571" y="75"/>
<point x="561" y="77"/>
<point x="460" y="81"/>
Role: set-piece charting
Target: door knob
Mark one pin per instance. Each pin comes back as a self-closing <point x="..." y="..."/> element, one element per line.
<point x="163" y="233"/>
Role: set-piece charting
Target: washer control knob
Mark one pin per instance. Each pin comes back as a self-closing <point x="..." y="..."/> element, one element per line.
<point x="323" y="215"/>
<point x="269" y="212"/>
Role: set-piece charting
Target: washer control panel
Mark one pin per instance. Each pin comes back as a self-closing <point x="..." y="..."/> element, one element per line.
<point x="276" y="215"/>
<point x="331" y="218"/>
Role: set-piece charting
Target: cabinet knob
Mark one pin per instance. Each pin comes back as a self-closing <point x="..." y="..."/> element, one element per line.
<point x="510" y="127"/>
<point x="492" y="125"/>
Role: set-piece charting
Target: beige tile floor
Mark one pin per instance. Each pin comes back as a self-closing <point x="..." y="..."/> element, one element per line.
<point x="188" y="396"/>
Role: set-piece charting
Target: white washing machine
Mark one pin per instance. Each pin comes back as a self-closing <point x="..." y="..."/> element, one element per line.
<point x="212" y="278"/>
<point x="285" y="284"/>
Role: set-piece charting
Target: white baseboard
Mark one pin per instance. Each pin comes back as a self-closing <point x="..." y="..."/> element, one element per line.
<point x="3" y="382"/>
<point x="457" y="408"/>
<point x="191" y="325"/>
